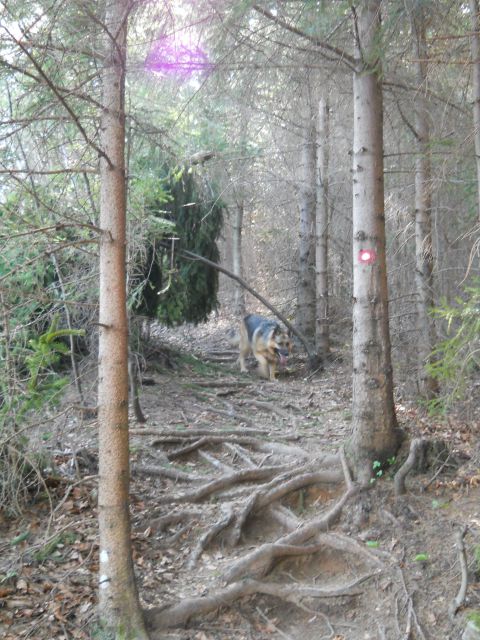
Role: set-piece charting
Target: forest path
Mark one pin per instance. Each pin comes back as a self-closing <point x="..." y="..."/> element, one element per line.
<point x="244" y="526"/>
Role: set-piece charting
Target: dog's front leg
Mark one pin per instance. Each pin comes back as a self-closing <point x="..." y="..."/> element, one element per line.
<point x="273" y="370"/>
<point x="263" y="366"/>
<point x="241" y="360"/>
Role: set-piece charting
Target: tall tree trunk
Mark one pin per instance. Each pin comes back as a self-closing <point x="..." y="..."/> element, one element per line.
<point x="119" y="608"/>
<point x="322" y="333"/>
<point x="306" y="265"/>
<point x="475" y="46"/>
<point x="375" y="434"/>
<point x="428" y="386"/>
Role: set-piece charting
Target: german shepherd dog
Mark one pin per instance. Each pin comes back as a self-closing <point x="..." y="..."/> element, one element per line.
<point x="267" y="340"/>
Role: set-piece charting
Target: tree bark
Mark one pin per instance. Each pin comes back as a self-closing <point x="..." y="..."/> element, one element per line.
<point x="322" y="333"/>
<point x="375" y="433"/>
<point x="237" y="262"/>
<point x="119" y="608"/>
<point x="306" y="265"/>
<point x="475" y="47"/>
<point x="424" y="260"/>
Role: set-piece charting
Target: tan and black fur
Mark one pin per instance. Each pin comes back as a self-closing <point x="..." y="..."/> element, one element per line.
<point x="267" y="340"/>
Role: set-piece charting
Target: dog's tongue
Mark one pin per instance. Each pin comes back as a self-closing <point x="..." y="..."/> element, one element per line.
<point x="283" y="360"/>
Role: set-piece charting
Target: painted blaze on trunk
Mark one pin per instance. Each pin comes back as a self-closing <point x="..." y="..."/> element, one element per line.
<point x="375" y="432"/>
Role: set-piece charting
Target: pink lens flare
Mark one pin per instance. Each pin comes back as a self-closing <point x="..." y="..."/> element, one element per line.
<point x="177" y="55"/>
<point x="367" y="256"/>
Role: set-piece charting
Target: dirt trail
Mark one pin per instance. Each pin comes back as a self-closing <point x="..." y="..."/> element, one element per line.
<point x="242" y="514"/>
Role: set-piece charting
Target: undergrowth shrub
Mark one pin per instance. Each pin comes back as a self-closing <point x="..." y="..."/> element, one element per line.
<point x="456" y="358"/>
<point x="28" y="384"/>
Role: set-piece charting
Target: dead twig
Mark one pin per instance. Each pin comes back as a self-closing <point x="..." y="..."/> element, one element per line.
<point x="411" y="613"/>
<point x="462" y="556"/>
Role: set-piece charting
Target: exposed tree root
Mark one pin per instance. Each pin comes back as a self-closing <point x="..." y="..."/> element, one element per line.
<point x="209" y="535"/>
<point x="179" y="614"/>
<point x="196" y="442"/>
<point x="224" y="482"/>
<point x="223" y="383"/>
<point x="268" y="406"/>
<point x="230" y="413"/>
<point x="266" y="486"/>
<point x="241" y="518"/>
<point x="240" y="452"/>
<point x="167" y="472"/>
<point x="162" y="522"/>
<point x="399" y="481"/>
<point x="262" y="556"/>
<point x="216" y="464"/>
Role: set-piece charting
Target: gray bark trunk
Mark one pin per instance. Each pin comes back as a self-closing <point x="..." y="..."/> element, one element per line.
<point x="475" y="46"/>
<point x="237" y="262"/>
<point x="306" y="264"/>
<point x="375" y="435"/>
<point x="119" y="608"/>
<point x="322" y="334"/>
<point x="423" y="213"/>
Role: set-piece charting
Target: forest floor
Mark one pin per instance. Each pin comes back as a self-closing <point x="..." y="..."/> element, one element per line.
<point x="243" y="515"/>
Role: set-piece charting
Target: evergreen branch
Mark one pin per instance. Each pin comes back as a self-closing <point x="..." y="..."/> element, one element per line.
<point x="51" y="85"/>
<point x="340" y="54"/>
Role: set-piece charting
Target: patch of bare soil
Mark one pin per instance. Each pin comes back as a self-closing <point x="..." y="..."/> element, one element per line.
<point x="246" y="523"/>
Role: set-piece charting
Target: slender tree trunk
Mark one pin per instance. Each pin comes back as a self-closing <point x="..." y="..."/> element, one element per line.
<point x="475" y="45"/>
<point x="71" y="338"/>
<point x="322" y="333"/>
<point x="306" y="266"/>
<point x="237" y="262"/>
<point x="119" y="608"/>
<point x="428" y="386"/>
<point x="375" y="434"/>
